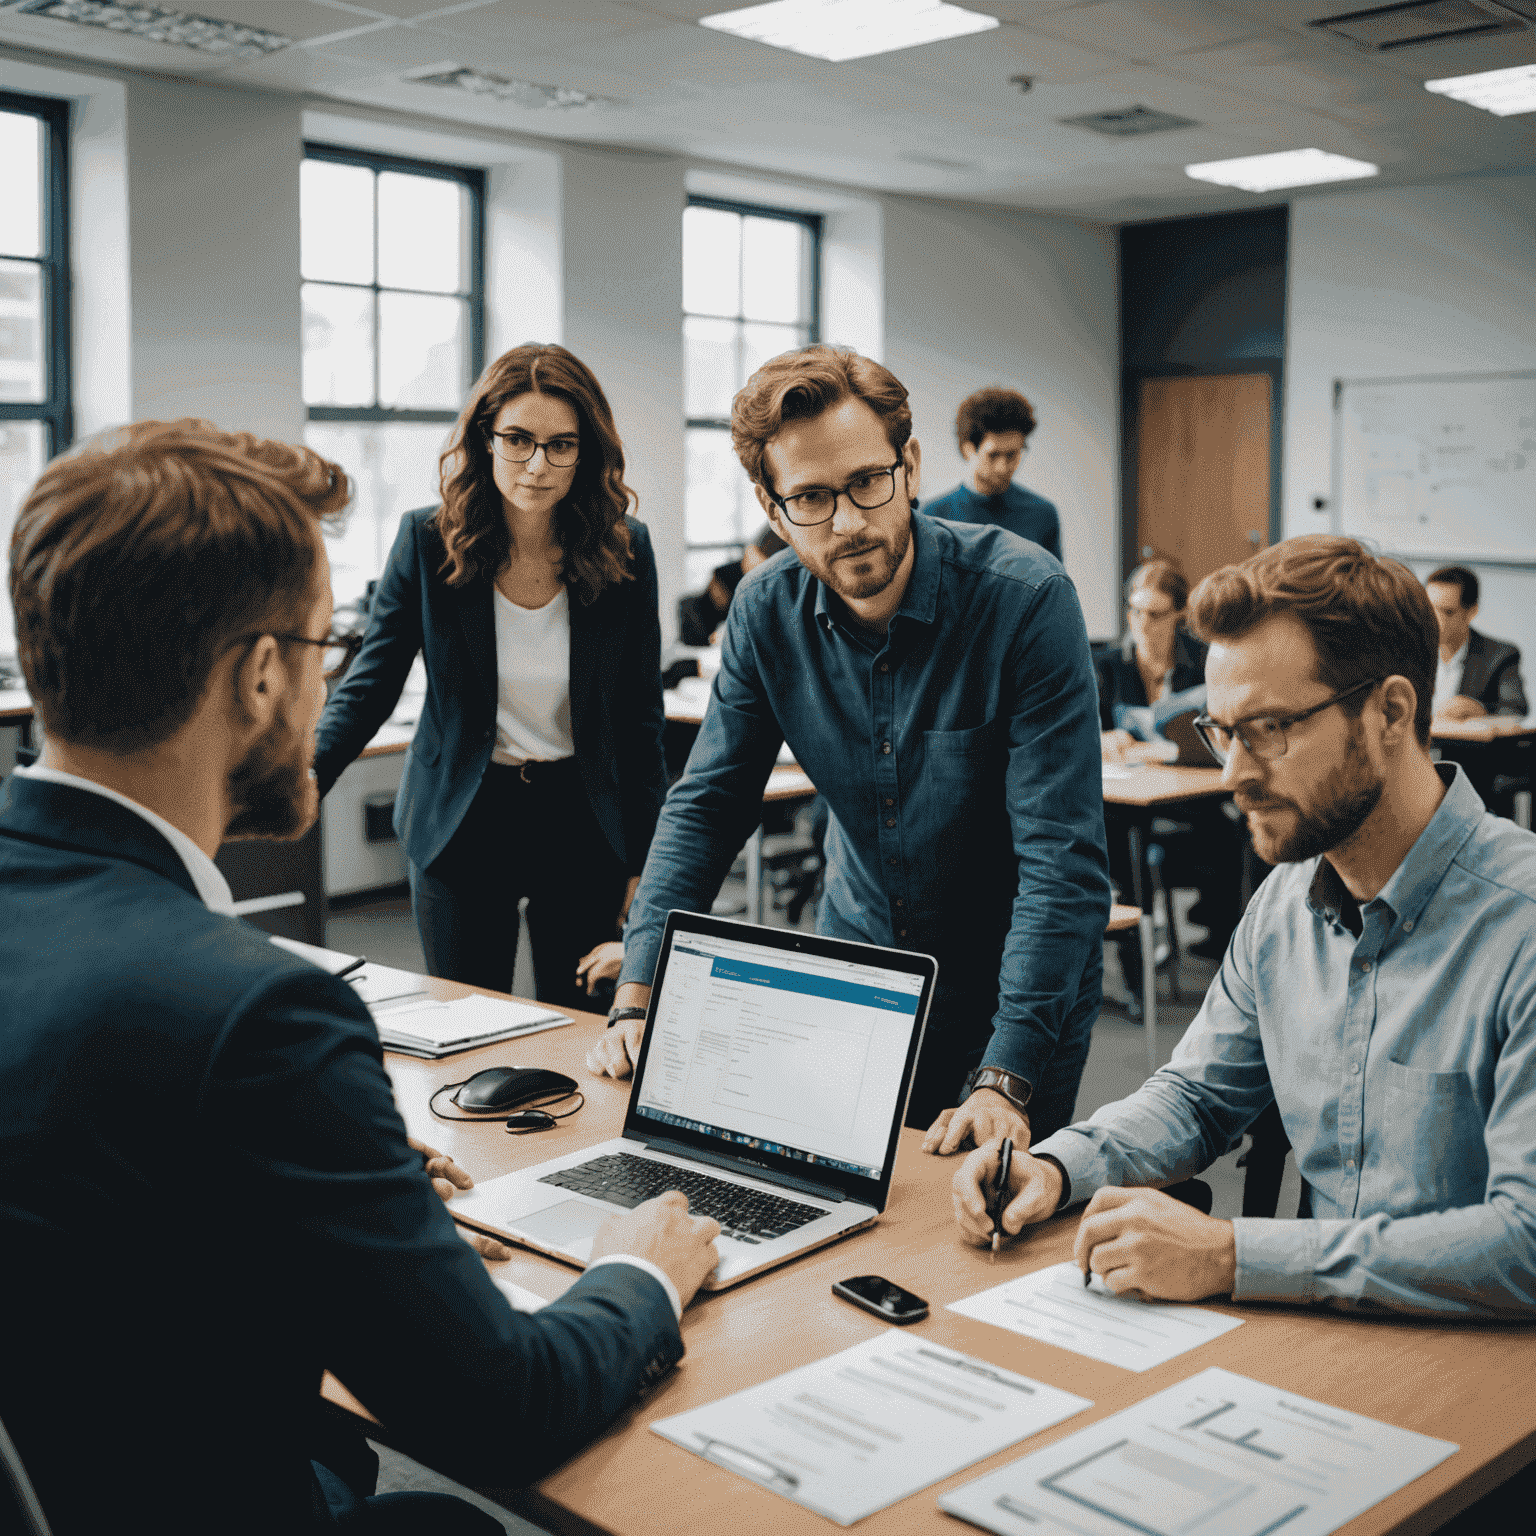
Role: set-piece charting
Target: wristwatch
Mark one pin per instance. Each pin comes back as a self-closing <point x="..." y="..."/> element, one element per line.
<point x="619" y="1015"/>
<point x="1017" y="1090"/>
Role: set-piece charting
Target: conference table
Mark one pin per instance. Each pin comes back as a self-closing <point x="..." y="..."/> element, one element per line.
<point x="1466" y="1383"/>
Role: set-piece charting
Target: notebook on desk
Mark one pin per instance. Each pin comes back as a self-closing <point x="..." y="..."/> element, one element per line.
<point x="771" y="1088"/>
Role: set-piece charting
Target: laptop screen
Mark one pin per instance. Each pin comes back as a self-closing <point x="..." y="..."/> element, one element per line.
<point x="781" y="1049"/>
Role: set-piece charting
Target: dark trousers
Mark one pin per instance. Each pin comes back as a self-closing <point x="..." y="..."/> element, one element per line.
<point x="533" y="837"/>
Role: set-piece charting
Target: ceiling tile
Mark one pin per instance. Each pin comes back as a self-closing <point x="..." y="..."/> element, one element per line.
<point x="297" y="19"/>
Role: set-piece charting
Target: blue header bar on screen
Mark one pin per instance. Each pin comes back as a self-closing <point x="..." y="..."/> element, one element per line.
<point x="755" y="974"/>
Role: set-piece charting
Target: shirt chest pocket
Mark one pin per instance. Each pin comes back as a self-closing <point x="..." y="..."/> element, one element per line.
<point x="962" y="760"/>
<point x="1433" y="1123"/>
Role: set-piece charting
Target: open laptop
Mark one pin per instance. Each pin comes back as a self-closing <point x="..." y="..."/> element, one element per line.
<point x="771" y="1088"/>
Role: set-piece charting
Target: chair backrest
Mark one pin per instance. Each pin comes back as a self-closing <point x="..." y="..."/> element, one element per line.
<point x="22" y="1495"/>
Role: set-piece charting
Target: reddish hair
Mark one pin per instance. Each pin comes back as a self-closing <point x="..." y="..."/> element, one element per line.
<point x="800" y="385"/>
<point x="139" y="559"/>
<point x="1368" y="617"/>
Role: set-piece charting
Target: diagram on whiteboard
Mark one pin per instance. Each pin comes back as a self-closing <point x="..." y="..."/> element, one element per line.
<point x="1438" y="466"/>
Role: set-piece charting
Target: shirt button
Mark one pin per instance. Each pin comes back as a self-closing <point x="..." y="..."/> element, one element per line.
<point x="884" y="667"/>
<point x="889" y="800"/>
<point x="1354" y="1069"/>
<point x="1365" y="965"/>
<point x="902" y="934"/>
<point x="900" y="902"/>
<point x="1350" y="1164"/>
<point x="885" y="746"/>
<point x="893" y="862"/>
<point x="890" y="821"/>
<point x="1408" y="926"/>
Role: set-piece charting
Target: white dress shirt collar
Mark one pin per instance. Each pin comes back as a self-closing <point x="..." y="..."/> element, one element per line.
<point x="211" y="885"/>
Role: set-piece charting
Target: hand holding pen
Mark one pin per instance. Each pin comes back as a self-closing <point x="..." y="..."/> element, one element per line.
<point x="995" y="1199"/>
<point x="1000" y="1193"/>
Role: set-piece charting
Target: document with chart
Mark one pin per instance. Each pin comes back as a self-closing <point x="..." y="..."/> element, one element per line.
<point x="1218" y="1453"/>
<point x="863" y="1428"/>
<point x="1054" y="1306"/>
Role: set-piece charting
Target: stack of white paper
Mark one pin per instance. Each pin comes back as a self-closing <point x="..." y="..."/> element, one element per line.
<point x="1218" y="1453"/>
<point x="430" y="1029"/>
<point x="850" y="1434"/>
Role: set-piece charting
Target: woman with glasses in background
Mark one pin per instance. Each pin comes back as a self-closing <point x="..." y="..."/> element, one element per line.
<point x="1157" y="659"/>
<point x="536" y="768"/>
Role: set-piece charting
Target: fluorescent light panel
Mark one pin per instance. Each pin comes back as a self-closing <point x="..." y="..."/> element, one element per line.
<point x="849" y="29"/>
<point x="156" y="24"/>
<point x="1289" y="168"/>
<point x="1504" y="92"/>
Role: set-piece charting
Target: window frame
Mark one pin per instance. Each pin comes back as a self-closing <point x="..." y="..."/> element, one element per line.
<point x="56" y="409"/>
<point x="813" y="224"/>
<point x="470" y="177"/>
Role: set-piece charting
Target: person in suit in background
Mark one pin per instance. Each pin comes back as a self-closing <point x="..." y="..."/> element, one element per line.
<point x="1157" y="659"/>
<point x="993" y="428"/>
<point x="537" y="766"/>
<point x="208" y="1115"/>
<point x="1476" y="675"/>
<point x="700" y="614"/>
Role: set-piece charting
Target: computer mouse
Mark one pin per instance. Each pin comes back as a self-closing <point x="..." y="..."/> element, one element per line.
<point x="529" y="1120"/>
<point x="498" y="1088"/>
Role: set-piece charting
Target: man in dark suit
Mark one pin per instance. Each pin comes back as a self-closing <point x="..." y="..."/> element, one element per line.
<point x="1477" y="675"/>
<point x="207" y="1196"/>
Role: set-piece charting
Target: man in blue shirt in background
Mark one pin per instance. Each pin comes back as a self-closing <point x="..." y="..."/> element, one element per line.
<point x="1380" y="989"/>
<point x="935" y="683"/>
<point x="993" y="428"/>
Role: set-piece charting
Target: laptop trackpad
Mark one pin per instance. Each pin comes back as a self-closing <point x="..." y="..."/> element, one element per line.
<point x="566" y="1225"/>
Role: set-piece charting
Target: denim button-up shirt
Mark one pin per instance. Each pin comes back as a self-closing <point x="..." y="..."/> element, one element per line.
<point x="959" y="755"/>
<point x="1404" y="1066"/>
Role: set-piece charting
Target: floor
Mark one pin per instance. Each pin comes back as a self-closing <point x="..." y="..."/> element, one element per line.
<point x="379" y="925"/>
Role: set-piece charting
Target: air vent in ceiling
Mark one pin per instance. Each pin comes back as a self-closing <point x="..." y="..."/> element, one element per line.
<point x="521" y="93"/>
<point x="1383" y="27"/>
<point x="1126" y="122"/>
<point x="154" y="25"/>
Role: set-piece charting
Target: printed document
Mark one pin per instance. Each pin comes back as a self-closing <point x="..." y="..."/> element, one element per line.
<point x="1218" y="1453"/>
<point x="1053" y="1305"/>
<point x="850" y="1434"/>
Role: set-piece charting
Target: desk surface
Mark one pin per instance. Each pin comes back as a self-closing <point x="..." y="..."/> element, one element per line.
<point x="1484" y="728"/>
<point x="1469" y="1384"/>
<point x="15" y="705"/>
<point x="1158" y="784"/>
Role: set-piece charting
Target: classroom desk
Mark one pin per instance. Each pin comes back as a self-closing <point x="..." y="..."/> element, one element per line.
<point x="1467" y="1383"/>
<point x="1491" y="749"/>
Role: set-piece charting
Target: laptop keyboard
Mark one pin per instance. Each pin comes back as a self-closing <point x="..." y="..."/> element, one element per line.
<point x="746" y="1214"/>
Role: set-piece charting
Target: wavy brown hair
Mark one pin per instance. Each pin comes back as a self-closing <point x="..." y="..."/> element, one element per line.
<point x="589" y="522"/>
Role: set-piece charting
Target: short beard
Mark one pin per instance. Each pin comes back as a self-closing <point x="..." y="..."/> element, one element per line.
<point x="271" y="790"/>
<point x="877" y="581"/>
<point x="1353" y="792"/>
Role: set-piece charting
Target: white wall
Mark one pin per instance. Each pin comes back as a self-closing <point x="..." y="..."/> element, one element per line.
<point x="1395" y="281"/>
<point x="977" y="296"/>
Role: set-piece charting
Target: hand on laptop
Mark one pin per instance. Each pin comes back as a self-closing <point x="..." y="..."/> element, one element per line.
<point x="447" y="1176"/>
<point x="662" y="1232"/>
<point x="1034" y="1191"/>
<point x="985" y="1116"/>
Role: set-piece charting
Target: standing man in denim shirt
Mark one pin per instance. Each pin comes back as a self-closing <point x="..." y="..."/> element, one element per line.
<point x="1380" y="989"/>
<point x="935" y="683"/>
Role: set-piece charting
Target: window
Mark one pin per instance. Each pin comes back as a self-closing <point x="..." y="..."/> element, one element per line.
<point x="393" y="277"/>
<point x="750" y="291"/>
<point x="35" y="421"/>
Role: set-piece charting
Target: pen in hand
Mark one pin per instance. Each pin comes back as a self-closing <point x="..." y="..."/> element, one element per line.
<point x="1000" y="1193"/>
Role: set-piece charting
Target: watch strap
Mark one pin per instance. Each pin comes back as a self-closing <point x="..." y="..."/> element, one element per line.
<point x="619" y="1015"/>
<point x="1017" y="1090"/>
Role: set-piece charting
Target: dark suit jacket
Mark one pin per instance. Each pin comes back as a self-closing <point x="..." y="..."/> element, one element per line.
<point x="1492" y="675"/>
<point x="206" y="1199"/>
<point x="1120" y="678"/>
<point x="617" y="715"/>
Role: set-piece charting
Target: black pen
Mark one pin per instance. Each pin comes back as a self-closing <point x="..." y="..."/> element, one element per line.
<point x="356" y="965"/>
<point x="1000" y="1193"/>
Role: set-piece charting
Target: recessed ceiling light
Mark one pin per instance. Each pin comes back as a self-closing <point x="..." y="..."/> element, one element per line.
<point x="1504" y="92"/>
<point x="849" y="29"/>
<point x="1290" y="168"/>
<point x="205" y="33"/>
<point x="521" y="93"/>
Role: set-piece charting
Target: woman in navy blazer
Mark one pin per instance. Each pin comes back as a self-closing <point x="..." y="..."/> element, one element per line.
<point x="537" y="765"/>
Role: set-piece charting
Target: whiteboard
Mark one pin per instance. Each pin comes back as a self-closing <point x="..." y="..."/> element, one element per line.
<point x="1438" y="467"/>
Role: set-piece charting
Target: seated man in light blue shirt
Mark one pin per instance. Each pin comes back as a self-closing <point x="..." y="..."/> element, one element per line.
<point x="1380" y="989"/>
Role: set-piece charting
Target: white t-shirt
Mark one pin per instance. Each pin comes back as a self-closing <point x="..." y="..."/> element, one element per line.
<point x="533" y="681"/>
<point x="1448" y="675"/>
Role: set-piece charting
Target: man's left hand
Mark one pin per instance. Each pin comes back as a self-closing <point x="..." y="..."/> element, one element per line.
<point x="447" y="1176"/>
<point x="1143" y="1240"/>
<point x="984" y="1116"/>
<point x="1461" y="708"/>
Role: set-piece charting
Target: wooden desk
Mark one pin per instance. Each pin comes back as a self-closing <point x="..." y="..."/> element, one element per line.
<point x="1498" y="753"/>
<point x="1466" y="1383"/>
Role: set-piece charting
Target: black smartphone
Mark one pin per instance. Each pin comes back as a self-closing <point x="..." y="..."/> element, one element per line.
<point x="876" y="1294"/>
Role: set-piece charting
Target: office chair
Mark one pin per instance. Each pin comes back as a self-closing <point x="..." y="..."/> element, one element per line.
<point x="23" y="1499"/>
<point x="1264" y="1167"/>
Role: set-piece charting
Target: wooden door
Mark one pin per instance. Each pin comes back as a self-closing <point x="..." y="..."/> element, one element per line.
<point x="1202" y="470"/>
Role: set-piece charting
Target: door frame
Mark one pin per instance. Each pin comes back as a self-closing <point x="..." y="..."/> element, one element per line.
<point x="1130" y="421"/>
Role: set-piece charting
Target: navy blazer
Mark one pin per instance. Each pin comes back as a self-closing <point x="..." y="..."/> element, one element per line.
<point x="617" y="716"/>
<point x="1120" y="678"/>
<point x="206" y="1200"/>
<point x="1491" y="675"/>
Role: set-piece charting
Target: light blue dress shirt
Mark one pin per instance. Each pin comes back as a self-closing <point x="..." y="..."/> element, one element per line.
<point x="1404" y="1066"/>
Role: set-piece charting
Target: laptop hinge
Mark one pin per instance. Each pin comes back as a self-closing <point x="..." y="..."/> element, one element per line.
<point x="733" y="1165"/>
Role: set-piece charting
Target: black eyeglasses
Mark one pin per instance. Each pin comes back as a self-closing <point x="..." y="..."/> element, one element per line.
<point x="874" y="488"/>
<point x="1264" y="735"/>
<point x="519" y="448"/>
<point x="339" y="652"/>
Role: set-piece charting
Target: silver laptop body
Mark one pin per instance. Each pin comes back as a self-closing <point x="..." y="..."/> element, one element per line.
<point x="776" y="1062"/>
